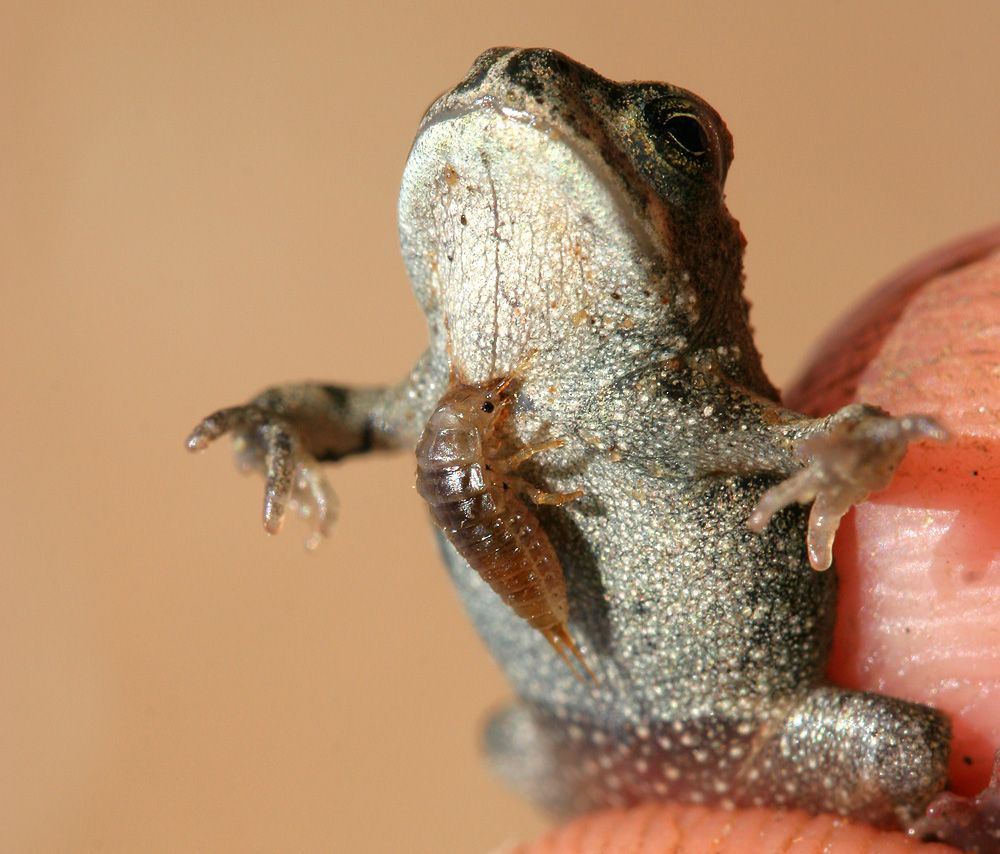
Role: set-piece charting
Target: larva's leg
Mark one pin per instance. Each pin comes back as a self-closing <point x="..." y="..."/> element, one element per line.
<point x="526" y="453"/>
<point x="540" y="496"/>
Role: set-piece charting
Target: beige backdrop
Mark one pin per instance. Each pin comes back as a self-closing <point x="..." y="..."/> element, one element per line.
<point x="197" y="199"/>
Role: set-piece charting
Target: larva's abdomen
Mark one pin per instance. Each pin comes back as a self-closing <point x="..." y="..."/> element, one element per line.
<point x="484" y="520"/>
<point x="500" y="538"/>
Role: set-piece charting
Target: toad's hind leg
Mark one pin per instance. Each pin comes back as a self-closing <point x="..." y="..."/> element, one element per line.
<point x="523" y="755"/>
<point x="878" y="759"/>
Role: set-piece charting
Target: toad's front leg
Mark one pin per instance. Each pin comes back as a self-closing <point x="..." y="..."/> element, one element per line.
<point x="846" y="457"/>
<point x="286" y="432"/>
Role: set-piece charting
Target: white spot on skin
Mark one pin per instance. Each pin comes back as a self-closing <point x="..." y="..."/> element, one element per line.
<point x="671" y="773"/>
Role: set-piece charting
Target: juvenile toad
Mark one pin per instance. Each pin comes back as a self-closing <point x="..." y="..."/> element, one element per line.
<point x="547" y="212"/>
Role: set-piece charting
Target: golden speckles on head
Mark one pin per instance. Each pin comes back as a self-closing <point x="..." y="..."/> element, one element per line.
<point x="627" y="323"/>
<point x="450" y="175"/>
<point x="579" y="318"/>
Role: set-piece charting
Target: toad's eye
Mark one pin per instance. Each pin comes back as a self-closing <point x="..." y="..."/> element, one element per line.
<point x="688" y="133"/>
<point x="667" y="119"/>
<point x="680" y="136"/>
<point x="487" y="407"/>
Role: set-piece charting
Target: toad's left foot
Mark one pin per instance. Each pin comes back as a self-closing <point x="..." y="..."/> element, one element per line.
<point x="856" y="457"/>
<point x="971" y="824"/>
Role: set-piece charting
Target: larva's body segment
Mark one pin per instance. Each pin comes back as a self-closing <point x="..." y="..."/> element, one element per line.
<point x="472" y="495"/>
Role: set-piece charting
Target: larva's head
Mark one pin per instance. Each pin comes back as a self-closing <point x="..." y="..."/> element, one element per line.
<point x="476" y="405"/>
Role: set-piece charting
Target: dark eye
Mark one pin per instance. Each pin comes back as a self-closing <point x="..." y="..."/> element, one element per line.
<point x="669" y="121"/>
<point x="487" y="407"/>
<point x="688" y="133"/>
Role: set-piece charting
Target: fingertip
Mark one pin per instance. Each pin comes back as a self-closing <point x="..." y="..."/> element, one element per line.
<point x="673" y="829"/>
<point x="919" y="565"/>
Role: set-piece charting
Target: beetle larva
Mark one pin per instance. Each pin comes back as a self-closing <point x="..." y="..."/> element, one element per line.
<point x="472" y="491"/>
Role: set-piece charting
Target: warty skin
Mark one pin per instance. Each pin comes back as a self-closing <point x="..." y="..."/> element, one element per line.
<point x="546" y="210"/>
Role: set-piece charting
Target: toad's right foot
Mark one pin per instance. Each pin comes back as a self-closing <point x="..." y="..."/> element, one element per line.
<point x="263" y="441"/>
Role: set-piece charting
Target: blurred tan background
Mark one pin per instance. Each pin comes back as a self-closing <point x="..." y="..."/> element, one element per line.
<point x="197" y="200"/>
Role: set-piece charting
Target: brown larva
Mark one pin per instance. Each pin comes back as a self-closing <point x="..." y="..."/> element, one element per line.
<point x="472" y="491"/>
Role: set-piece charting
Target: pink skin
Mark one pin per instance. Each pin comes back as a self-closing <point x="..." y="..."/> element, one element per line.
<point x="673" y="829"/>
<point x="919" y="563"/>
